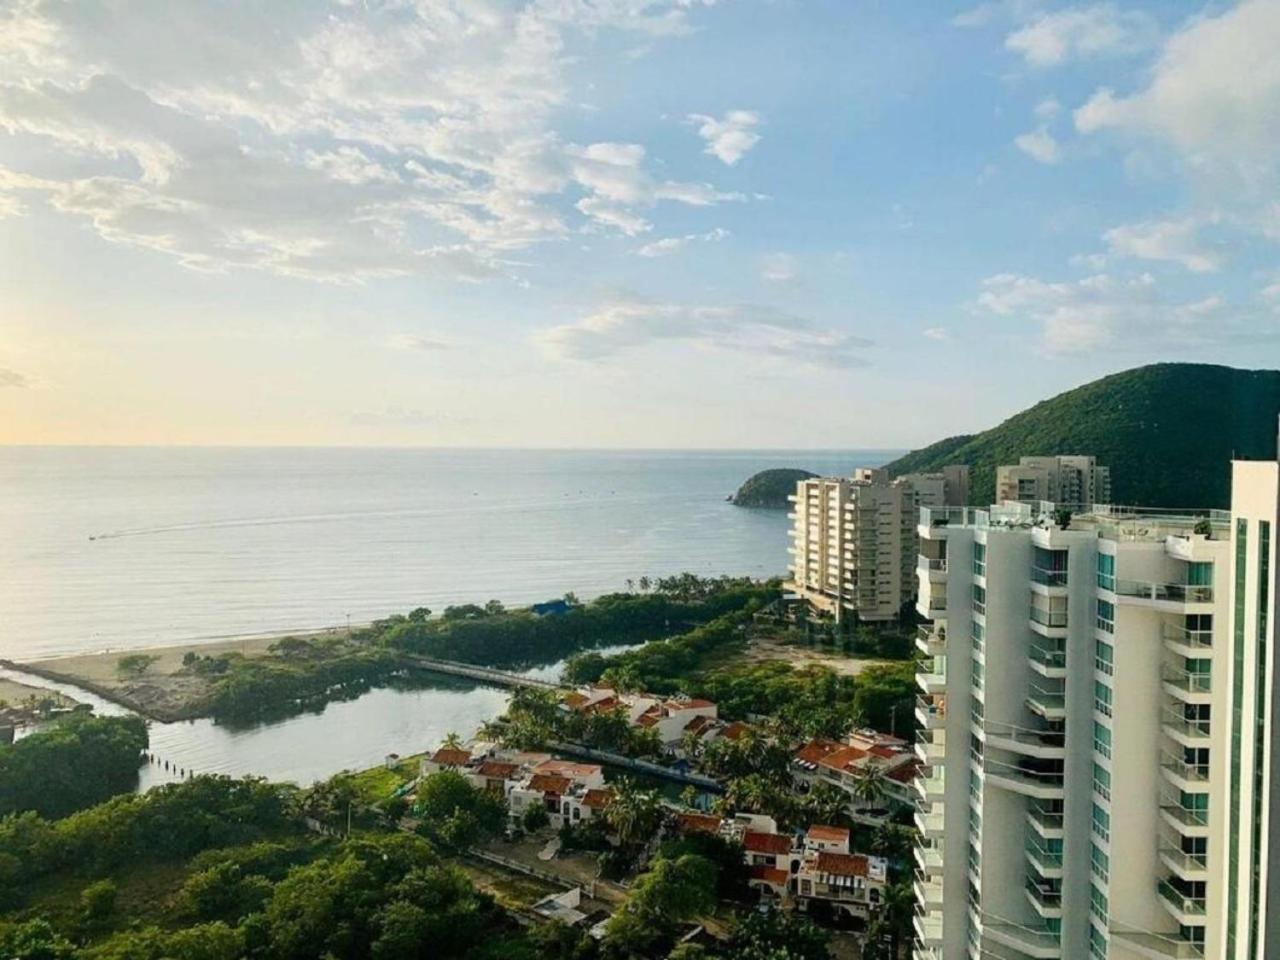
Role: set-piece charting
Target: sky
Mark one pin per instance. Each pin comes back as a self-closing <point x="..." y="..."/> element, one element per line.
<point x="621" y="223"/>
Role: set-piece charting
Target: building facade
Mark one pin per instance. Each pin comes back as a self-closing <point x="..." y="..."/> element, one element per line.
<point x="854" y="542"/>
<point x="1097" y="711"/>
<point x="1067" y="481"/>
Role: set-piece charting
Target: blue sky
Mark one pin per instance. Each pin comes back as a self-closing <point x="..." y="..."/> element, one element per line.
<point x="639" y="223"/>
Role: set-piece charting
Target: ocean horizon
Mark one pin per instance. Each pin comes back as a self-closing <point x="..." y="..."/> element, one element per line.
<point x="123" y="547"/>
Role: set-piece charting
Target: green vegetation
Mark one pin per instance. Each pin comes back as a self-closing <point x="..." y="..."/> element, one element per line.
<point x="769" y="489"/>
<point x="1167" y="431"/>
<point x="305" y="672"/>
<point x="135" y="664"/>
<point x="81" y="760"/>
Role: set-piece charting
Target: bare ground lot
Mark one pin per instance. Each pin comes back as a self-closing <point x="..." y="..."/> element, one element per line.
<point x="761" y="648"/>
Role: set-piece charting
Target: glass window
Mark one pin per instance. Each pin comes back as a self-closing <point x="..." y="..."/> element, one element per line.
<point x="979" y="599"/>
<point x="1102" y="739"/>
<point x="1104" y="658"/>
<point x="1106" y="616"/>
<point x="1102" y="698"/>
<point x="1099" y="862"/>
<point x="979" y="559"/>
<point x="1101" y="822"/>
<point x="1101" y="781"/>
<point x="1107" y="571"/>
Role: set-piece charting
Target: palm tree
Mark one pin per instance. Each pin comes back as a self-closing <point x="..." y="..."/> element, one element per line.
<point x="452" y="741"/>
<point x="826" y="803"/>
<point x="869" y="785"/>
<point x="633" y="814"/>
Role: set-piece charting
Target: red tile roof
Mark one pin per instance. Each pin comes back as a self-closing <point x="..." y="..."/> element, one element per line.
<point x="648" y="720"/>
<point x="775" y="843"/>
<point x="567" y="768"/>
<point x="450" y="757"/>
<point x="843" y="864"/>
<point x="770" y="875"/>
<point x="698" y="724"/>
<point x="842" y="758"/>
<point x="735" y="730"/>
<point x="497" y="769"/>
<point x="547" y="783"/>
<point x="905" y="773"/>
<point x="706" y="822"/>
<point x="829" y="834"/>
<point x="597" y="799"/>
<point x="574" y="700"/>
<point x="692" y="704"/>
<point x="815" y="750"/>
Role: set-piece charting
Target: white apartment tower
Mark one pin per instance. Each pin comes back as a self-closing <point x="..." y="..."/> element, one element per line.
<point x="1067" y="481"/>
<point x="1098" y="711"/>
<point x="854" y="539"/>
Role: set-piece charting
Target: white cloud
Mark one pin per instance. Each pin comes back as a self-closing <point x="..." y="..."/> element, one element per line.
<point x="626" y="324"/>
<point x="1074" y="33"/>
<point x="332" y="142"/>
<point x="1047" y="109"/>
<point x="937" y="333"/>
<point x="778" y="267"/>
<point x="1214" y="95"/>
<point x="1099" y="310"/>
<point x="12" y="378"/>
<point x="1039" y="145"/>
<point x="669" y="245"/>
<point x="730" y="137"/>
<point x="1173" y="241"/>
<point x="417" y="341"/>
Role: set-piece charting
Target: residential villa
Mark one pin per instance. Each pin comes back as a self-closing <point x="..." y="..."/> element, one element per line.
<point x="672" y="718"/>
<point x="816" y="872"/>
<point x="846" y="763"/>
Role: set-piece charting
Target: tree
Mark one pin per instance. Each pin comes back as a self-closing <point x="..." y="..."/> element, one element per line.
<point x="826" y="803"/>
<point x="452" y="741"/>
<point x="776" y="935"/>
<point x="494" y="607"/>
<point x="34" y="940"/>
<point x="98" y="901"/>
<point x="535" y="818"/>
<point x="869" y="785"/>
<point x="671" y="892"/>
<point x="135" y="664"/>
<point x="419" y="615"/>
<point x="633" y="814"/>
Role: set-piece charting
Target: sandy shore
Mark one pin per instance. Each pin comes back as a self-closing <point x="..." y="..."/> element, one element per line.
<point x="166" y="690"/>
<point x="14" y="694"/>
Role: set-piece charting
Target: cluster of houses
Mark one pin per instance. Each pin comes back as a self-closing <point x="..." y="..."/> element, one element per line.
<point x="815" y="872"/>
<point x="674" y="719"/>
<point x="889" y="761"/>
<point x="571" y="793"/>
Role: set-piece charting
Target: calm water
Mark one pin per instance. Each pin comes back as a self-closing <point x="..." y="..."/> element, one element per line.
<point x="196" y="544"/>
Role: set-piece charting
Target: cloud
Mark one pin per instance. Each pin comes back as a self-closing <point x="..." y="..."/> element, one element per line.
<point x="1100" y="310"/>
<point x="1214" y="96"/>
<point x="1173" y="241"/>
<point x="12" y="378"/>
<point x="625" y="324"/>
<point x="1075" y="33"/>
<point x="335" y="142"/>
<point x="778" y="267"/>
<point x="937" y="333"/>
<point x="669" y="245"/>
<point x="730" y="137"/>
<point x="1039" y="145"/>
<point x="417" y="341"/>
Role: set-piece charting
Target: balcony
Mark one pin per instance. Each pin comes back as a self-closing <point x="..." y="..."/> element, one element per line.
<point x="1191" y="867"/>
<point x="1045" y="820"/>
<point x="1048" y="863"/>
<point x="931" y="639"/>
<point x="931" y="748"/>
<point x="1158" y="946"/>
<point x="1189" y="777"/>
<point x="1187" y="686"/>
<point x="933" y="787"/>
<point x="1028" y="741"/>
<point x="930" y="860"/>
<point x="933" y="570"/>
<point x="1048" y="660"/>
<point x="1048" y="623"/>
<point x="1187" y="910"/>
<point x="1189" y="733"/>
<point x="1039" y="942"/>
<point x="1185" y="821"/>
<point x="1187" y="643"/>
<point x="1046" y="577"/>
<point x="930" y="825"/>
<point x="1174" y="596"/>
<point x="1024" y="780"/>
<point x="931" y="677"/>
<point x="928" y="929"/>
<point x="931" y="712"/>
<point x="928" y="891"/>
<point x="1048" y="701"/>
<point x="1046" y="898"/>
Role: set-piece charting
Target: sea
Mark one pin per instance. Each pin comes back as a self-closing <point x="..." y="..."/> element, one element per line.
<point x="113" y="549"/>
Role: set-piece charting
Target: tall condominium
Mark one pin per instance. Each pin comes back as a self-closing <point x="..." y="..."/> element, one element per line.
<point x="1067" y="481"/>
<point x="854" y="538"/>
<point x="1098" y="713"/>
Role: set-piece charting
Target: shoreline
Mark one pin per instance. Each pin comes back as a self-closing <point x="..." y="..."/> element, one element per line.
<point x="164" y="693"/>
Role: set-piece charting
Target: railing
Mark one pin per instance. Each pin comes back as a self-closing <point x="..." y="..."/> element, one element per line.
<point x="1186" y="861"/>
<point x="1048" y="897"/>
<point x="1187" y="771"/>
<point x="928" y="563"/>
<point x="1048" y="618"/>
<point x="1048" y="819"/>
<point x="1054" y="658"/>
<point x="1026" y="735"/>
<point x="1187" y="816"/>
<point x="1171" y="592"/>
<point x="1048" y="699"/>
<point x="1049" y="578"/>
<point x="931" y="707"/>
<point x="1188" y="638"/>
<point x="1180" y="901"/>
<point x="1041" y="854"/>
<point x="1188" y="681"/>
<point x="1188" y="728"/>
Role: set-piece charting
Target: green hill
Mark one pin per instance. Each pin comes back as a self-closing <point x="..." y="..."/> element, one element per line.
<point x="770" y="488"/>
<point x="1167" y="431"/>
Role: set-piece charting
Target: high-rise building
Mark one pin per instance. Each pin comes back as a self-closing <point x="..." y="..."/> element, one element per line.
<point x="1097" y="716"/>
<point x="1066" y="481"/>
<point x="854" y="539"/>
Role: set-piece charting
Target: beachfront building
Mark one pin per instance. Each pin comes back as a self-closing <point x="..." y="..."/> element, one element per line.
<point x="1070" y="481"/>
<point x="1097" y="711"/>
<point x="815" y="872"/>
<point x="877" y="771"/>
<point x="853" y="538"/>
